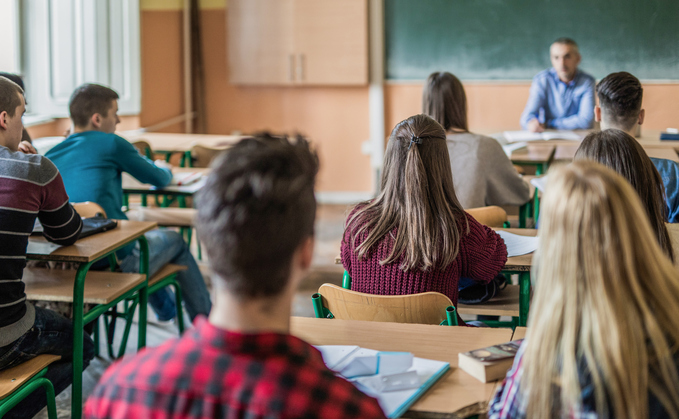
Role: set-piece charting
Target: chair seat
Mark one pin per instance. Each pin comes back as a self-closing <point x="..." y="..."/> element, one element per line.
<point x="505" y="303"/>
<point x="166" y="271"/>
<point x="165" y="217"/>
<point x="57" y="285"/>
<point x="13" y="378"/>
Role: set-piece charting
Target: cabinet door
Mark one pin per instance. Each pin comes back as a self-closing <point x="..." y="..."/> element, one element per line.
<point x="331" y="41"/>
<point x="260" y="41"/>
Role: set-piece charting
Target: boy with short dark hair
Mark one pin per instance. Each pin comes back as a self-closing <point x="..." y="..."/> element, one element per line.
<point x="256" y="218"/>
<point x="30" y="187"/>
<point x="92" y="160"/>
<point x="620" y="96"/>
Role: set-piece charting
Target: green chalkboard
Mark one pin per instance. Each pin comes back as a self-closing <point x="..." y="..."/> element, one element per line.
<point x="509" y="39"/>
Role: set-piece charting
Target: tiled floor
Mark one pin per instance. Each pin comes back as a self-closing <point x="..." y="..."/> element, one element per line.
<point x="329" y="228"/>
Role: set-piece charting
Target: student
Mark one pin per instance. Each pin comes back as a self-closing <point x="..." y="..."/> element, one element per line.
<point x="91" y="160"/>
<point x="415" y="236"/>
<point x="256" y="217"/>
<point x="620" y="96"/>
<point x="561" y="97"/>
<point x="25" y="137"/>
<point x="603" y="330"/>
<point x="30" y="187"/>
<point x="482" y="173"/>
<point x="617" y="150"/>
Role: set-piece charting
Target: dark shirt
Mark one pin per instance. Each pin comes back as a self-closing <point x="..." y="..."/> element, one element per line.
<point x="215" y="373"/>
<point x="30" y="187"/>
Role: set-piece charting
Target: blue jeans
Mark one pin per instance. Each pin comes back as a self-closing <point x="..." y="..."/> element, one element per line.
<point x="51" y="333"/>
<point x="166" y="246"/>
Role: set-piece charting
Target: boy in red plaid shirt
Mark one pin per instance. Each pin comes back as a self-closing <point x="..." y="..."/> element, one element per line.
<point x="256" y="220"/>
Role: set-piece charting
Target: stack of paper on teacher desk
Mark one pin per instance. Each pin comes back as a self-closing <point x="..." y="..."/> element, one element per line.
<point x="395" y="379"/>
<point x="516" y="136"/>
<point x="518" y="245"/>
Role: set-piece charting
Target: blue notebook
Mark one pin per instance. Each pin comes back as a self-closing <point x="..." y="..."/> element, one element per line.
<point x="393" y="403"/>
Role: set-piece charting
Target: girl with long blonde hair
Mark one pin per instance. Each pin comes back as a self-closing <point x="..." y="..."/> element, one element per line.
<point x="603" y="328"/>
<point x="414" y="236"/>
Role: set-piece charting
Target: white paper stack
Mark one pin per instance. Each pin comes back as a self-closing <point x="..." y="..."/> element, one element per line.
<point x="517" y="136"/>
<point x="518" y="245"/>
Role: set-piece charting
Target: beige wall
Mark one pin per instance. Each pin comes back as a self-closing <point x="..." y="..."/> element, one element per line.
<point x="336" y="118"/>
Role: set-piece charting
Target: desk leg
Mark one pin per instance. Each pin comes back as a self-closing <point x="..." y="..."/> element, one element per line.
<point x="536" y="207"/>
<point x="523" y="214"/>
<point x="143" y="293"/>
<point x="524" y="297"/>
<point x="78" y="333"/>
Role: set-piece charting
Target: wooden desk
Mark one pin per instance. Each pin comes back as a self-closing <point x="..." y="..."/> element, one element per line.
<point x="519" y="333"/>
<point x="538" y="155"/>
<point x="455" y="390"/>
<point x="660" y="152"/>
<point x="87" y="251"/>
<point x="133" y="186"/>
<point x="179" y="143"/>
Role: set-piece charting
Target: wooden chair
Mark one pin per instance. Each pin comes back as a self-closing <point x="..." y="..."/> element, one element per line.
<point x="18" y="382"/>
<point x="332" y="301"/>
<point x="491" y="216"/>
<point x="202" y="156"/>
<point x="144" y="148"/>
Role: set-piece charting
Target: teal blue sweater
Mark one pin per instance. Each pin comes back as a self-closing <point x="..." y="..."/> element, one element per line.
<point x="91" y="164"/>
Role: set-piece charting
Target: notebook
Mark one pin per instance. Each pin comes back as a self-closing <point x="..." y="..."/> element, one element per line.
<point x="185" y="178"/>
<point x="393" y="403"/>
<point x="517" y="136"/>
<point x="92" y="225"/>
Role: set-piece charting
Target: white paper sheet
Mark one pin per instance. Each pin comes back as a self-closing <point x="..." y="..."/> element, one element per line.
<point x="510" y="148"/>
<point x="516" y="136"/>
<point x="518" y="245"/>
<point x="540" y="183"/>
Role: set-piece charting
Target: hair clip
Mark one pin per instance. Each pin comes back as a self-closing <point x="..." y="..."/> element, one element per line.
<point x="416" y="140"/>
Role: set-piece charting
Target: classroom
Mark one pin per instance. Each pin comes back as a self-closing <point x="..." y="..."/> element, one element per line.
<point x="339" y="208"/>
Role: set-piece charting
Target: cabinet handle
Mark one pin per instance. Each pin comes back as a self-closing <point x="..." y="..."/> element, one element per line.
<point x="300" y="68"/>
<point x="291" y="67"/>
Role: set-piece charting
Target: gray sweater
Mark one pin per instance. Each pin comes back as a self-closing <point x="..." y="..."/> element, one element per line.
<point x="483" y="174"/>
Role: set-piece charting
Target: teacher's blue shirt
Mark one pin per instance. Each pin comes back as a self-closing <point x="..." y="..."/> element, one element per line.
<point x="560" y="105"/>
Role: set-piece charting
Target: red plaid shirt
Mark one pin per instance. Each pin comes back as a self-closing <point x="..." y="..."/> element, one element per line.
<point x="213" y="373"/>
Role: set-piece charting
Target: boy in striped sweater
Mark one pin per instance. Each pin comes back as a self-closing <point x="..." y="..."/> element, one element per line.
<point x="30" y="187"/>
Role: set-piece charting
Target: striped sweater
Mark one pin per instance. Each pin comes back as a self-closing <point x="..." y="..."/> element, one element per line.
<point x="482" y="256"/>
<point x="30" y="187"/>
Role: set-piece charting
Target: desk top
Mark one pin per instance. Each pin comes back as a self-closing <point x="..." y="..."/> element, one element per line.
<point x="533" y="153"/>
<point x="175" y="142"/>
<point x="519" y="333"/>
<point x="521" y="263"/>
<point x="657" y="150"/>
<point x="89" y="248"/>
<point x="132" y="185"/>
<point x="455" y="390"/>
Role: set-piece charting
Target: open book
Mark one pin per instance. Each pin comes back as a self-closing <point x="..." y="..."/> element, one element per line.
<point x="395" y="379"/>
<point x="185" y="178"/>
<point x="517" y="136"/>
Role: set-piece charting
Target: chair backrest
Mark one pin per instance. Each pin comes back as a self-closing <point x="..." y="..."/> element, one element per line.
<point x="88" y="209"/>
<point x="491" y="216"/>
<point x="144" y="148"/>
<point x="425" y="308"/>
<point x="202" y="156"/>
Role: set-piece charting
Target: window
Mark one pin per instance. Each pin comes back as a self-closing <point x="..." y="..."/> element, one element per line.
<point x="70" y="42"/>
<point x="9" y="34"/>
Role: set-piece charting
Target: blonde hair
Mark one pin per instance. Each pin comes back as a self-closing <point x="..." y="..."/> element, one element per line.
<point x="606" y="297"/>
<point x="418" y="199"/>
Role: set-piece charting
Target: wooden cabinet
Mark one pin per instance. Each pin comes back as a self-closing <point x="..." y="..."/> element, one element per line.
<point x="298" y="42"/>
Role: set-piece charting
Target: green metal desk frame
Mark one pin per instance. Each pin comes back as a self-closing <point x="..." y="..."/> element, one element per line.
<point x="29" y="387"/>
<point x="80" y="318"/>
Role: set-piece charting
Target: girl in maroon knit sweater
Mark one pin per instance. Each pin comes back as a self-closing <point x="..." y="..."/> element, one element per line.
<point x="415" y="237"/>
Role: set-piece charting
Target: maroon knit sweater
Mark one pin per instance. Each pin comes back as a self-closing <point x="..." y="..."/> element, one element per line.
<point x="482" y="256"/>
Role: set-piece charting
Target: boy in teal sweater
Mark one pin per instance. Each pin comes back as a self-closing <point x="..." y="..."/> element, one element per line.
<point x="91" y="161"/>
